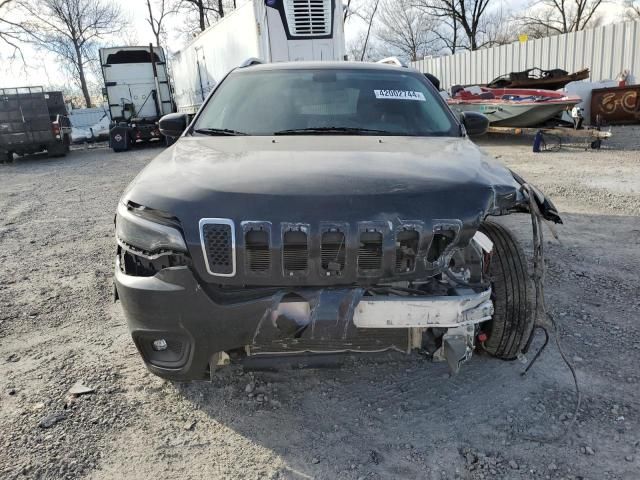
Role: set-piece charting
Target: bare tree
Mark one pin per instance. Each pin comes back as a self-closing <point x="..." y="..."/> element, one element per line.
<point x="362" y="12"/>
<point x="632" y="9"/>
<point x="449" y="33"/>
<point x="200" y="8"/>
<point x="347" y="11"/>
<point x="369" y="18"/>
<point x="158" y="12"/>
<point x="498" y="28"/>
<point x="371" y="50"/>
<point x="467" y="14"/>
<point x="206" y="12"/>
<point x="11" y="31"/>
<point x="71" y="29"/>
<point x="553" y="17"/>
<point x="406" y="29"/>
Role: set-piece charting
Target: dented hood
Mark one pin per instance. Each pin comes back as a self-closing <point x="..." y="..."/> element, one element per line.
<point x="317" y="166"/>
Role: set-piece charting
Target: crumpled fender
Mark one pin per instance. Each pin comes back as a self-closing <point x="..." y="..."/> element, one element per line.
<point x="546" y="206"/>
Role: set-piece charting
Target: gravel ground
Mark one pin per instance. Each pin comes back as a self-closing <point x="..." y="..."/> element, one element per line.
<point x="394" y="417"/>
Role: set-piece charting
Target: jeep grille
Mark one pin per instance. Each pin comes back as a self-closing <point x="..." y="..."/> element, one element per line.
<point x="366" y="249"/>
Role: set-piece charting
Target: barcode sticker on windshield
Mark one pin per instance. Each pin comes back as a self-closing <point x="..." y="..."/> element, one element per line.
<point x="400" y="95"/>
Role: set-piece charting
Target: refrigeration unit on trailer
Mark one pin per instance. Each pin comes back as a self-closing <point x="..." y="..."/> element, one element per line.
<point x="137" y="89"/>
<point x="267" y="30"/>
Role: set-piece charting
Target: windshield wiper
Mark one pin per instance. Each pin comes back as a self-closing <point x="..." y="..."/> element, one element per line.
<point x="330" y="130"/>
<point x="218" y="131"/>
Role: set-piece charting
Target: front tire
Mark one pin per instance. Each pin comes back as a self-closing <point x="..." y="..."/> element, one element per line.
<point x="512" y="323"/>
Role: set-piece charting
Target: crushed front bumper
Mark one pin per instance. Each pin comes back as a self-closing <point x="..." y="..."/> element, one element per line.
<point x="191" y="325"/>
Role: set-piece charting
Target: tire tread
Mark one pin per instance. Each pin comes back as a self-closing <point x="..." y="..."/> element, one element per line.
<point x="512" y="321"/>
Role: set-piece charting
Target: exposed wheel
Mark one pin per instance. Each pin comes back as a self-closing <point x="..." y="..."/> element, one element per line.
<point x="512" y="294"/>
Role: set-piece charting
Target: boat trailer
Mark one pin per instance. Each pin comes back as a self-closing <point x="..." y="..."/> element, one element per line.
<point x="593" y="135"/>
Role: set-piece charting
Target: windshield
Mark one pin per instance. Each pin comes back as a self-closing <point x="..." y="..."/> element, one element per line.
<point x="332" y="101"/>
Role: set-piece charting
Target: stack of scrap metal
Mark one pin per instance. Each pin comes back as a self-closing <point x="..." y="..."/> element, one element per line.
<point x="554" y="79"/>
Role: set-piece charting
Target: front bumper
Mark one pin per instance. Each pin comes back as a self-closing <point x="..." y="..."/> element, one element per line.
<point x="196" y="323"/>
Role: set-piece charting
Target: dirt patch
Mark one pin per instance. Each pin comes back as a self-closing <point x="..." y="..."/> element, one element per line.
<point x="392" y="417"/>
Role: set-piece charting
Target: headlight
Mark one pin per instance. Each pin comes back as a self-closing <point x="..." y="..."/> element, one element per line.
<point x="150" y="237"/>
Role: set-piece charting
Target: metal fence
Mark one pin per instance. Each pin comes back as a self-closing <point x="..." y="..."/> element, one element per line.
<point x="606" y="51"/>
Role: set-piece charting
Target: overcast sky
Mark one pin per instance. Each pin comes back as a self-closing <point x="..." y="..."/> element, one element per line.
<point x="42" y="67"/>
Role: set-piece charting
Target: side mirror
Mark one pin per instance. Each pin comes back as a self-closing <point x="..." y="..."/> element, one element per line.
<point x="474" y="123"/>
<point x="173" y="124"/>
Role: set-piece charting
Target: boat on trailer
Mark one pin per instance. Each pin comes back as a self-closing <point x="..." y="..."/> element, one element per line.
<point x="512" y="107"/>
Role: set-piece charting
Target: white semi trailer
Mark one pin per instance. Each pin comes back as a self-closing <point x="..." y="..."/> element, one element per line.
<point x="267" y="30"/>
<point x="137" y="89"/>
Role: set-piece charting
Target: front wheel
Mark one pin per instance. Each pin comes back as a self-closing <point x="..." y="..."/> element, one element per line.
<point x="512" y="323"/>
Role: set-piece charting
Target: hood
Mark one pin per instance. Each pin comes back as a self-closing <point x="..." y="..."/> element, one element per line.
<point x="314" y="167"/>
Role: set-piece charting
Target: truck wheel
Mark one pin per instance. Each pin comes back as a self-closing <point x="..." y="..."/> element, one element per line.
<point x="57" y="149"/>
<point x="510" y="328"/>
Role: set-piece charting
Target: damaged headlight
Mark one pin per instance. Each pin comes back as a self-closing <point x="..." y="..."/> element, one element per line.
<point x="133" y="230"/>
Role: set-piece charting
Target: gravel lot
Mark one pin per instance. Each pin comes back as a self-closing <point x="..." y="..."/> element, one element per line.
<point x="397" y="417"/>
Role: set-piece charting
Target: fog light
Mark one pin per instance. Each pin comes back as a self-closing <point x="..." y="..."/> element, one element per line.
<point x="159" y="345"/>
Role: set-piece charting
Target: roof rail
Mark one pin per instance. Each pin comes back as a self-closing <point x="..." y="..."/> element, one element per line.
<point x="392" y="61"/>
<point x="250" y="61"/>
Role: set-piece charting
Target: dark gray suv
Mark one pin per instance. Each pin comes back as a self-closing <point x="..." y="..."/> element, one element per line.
<point x="321" y="208"/>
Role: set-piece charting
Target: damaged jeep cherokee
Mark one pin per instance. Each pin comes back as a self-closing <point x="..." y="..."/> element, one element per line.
<point x="322" y="208"/>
